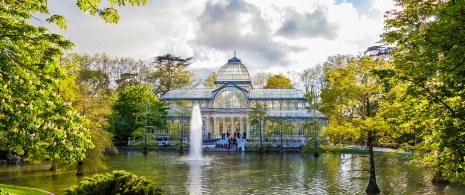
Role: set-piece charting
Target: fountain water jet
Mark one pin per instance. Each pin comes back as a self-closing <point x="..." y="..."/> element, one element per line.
<point x="195" y="143"/>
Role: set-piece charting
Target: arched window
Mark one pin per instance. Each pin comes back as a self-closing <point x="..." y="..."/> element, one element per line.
<point x="230" y="98"/>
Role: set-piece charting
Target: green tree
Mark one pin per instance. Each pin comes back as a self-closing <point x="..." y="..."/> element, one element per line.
<point x="153" y="117"/>
<point x="314" y="99"/>
<point x="33" y="116"/>
<point x="90" y="99"/>
<point x="259" y="113"/>
<point x="353" y="95"/>
<point x="170" y="73"/>
<point x="428" y="62"/>
<point x="129" y="112"/>
<point x="182" y="112"/>
<point x="278" y="82"/>
<point x="193" y="82"/>
<point x="209" y="82"/>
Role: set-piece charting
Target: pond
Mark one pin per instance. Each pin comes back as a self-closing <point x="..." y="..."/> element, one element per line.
<point x="249" y="173"/>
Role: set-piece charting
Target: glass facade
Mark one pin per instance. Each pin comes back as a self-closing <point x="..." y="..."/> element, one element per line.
<point x="234" y="72"/>
<point x="226" y="108"/>
<point x="230" y="98"/>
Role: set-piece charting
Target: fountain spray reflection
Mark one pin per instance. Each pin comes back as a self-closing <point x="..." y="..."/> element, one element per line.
<point x="195" y="178"/>
<point x="195" y="143"/>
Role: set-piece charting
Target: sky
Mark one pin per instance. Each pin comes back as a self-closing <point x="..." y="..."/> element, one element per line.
<point x="275" y="36"/>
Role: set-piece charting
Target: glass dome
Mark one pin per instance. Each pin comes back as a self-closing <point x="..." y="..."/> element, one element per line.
<point x="230" y="98"/>
<point x="234" y="71"/>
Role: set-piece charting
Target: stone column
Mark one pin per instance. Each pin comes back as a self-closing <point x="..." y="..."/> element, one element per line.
<point x="242" y="127"/>
<point x="248" y="128"/>
<point x="233" y="129"/>
<point x="207" y="127"/>
<point x="224" y="125"/>
<point x="215" y="127"/>
<point x="298" y="128"/>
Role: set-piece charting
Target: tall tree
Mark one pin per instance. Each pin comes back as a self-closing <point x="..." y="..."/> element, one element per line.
<point x="129" y="112"/>
<point x="33" y="116"/>
<point x="260" y="79"/>
<point x="209" y="82"/>
<point x="183" y="110"/>
<point x="294" y="77"/>
<point x="278" y="82"/>
<point x="194" y="81"/>
<point x="428" y="61"/>
<point x="171" y="73"/>
<point x="90" y="99"/>
<point x="312" y="79"/>
<point x="353" y="95"/>
<point x="259" y="113"/>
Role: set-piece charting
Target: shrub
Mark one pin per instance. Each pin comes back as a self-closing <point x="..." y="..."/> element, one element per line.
<point x="3" y="192"/>
<point x="118" y="182"/>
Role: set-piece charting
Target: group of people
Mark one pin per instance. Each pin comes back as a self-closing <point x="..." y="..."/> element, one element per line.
<point x="227" y="135"/>
<point x="232" y="142"/>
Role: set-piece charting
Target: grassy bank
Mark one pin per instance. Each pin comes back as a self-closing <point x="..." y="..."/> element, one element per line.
<point x="18" y="190"/>
<point x="363" y="151"/>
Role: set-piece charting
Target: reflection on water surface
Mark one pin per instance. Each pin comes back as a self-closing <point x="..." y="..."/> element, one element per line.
<point x="249" y="173"/>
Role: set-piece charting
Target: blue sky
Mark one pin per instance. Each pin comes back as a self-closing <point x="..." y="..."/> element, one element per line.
<point x="277" y="36"/>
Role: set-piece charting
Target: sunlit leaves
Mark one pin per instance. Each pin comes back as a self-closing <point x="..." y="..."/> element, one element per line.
<point x="171" y="73"/>
<point x="278" y="82"/>
<point x="130" y="109"/>
<point x="429" y="63"/>
<point x="34" y="118"/>
<point x="352" y="96"/>
<point x="109" y="14"/>
<point x="60" y="21"/>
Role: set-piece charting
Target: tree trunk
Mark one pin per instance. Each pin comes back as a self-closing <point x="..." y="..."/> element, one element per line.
<point x="439" y="179"/>
<point x="54" y="166"/>
<point x="146" y="150"/>
<point x="372" y="185"/>
<point x="80" y="168"/>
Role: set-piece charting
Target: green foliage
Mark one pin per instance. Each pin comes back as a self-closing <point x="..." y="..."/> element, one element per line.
<point x="109" y="14"/>
<point x="171" y="73"/>
<point x="259" y="113"/>
<point x="18" y="190"/>
<point x="129" y="112"/>
<point x="352" y="97"/>
<point x="210" y="80"/>
<point x="33" y="116"/>
<point x="90" y="99"/>
<point x="117" y="182"/>
<point x="278" y="82"/>
<point x="428" y="64"/>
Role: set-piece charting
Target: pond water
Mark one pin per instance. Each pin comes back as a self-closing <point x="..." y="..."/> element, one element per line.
<point x="249" y="173"/>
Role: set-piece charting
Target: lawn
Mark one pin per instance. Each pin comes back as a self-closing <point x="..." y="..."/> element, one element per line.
<point x="18" y="190"/>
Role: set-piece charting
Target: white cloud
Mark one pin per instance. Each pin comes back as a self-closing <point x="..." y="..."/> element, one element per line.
<point x="382" y="5"/>
<point x="209" y="30"/>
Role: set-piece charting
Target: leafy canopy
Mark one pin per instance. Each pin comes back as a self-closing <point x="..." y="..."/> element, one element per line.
<point x="130" y="109"/>
<point x="278" y="82"/>
<point x="33" y="115"/>
<point x="429" y="62"/>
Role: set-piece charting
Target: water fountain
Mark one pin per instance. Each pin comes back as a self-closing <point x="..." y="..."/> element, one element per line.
<point x="195" y="148"/>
